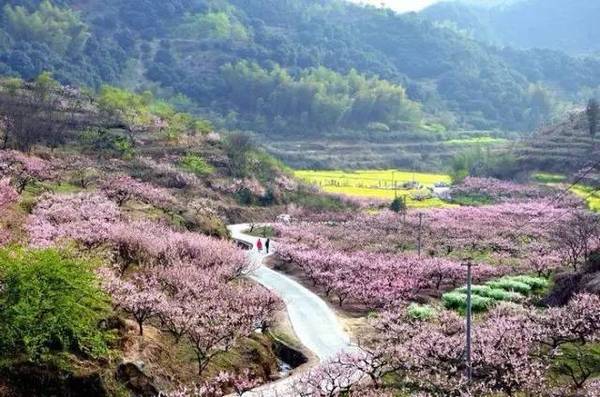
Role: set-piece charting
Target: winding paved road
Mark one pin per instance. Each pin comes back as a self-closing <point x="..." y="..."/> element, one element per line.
<point x="313" y="321"/>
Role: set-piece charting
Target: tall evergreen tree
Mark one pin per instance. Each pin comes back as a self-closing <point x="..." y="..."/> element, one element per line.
<point x="593" y="113"/>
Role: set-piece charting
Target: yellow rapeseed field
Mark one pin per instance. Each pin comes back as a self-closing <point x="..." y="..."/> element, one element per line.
<point x="591" y="196"/>
<point x="378" y="184"/>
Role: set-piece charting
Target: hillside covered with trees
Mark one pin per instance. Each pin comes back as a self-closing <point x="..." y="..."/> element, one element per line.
<point x="293" y="66"/>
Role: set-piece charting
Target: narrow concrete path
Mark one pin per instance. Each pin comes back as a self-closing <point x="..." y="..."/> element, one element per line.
<point x="313" y="321"/>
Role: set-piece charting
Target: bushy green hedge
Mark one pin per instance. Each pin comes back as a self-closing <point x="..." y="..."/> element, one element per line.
<point x="49" y="303"/>
<point x="458" y="301"/>
<point x="536" y="283"/>
<point x="196" y="165"/>
<point x="507" y="289"/>
<point x="522" y="284"/>
<point x="502" y="295"/>
<point x="420" y="312"/>
<point x="494" y="293"/>
<point x="511" y="285"/>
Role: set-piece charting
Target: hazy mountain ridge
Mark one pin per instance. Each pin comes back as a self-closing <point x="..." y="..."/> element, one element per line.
<point x="554" y="24"/>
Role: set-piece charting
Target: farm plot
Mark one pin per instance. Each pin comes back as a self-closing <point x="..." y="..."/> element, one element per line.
<point x="380" y="184"/>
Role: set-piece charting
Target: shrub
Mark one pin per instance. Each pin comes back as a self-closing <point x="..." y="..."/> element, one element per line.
<point x="458" y="301"/>
<point x="536" y="283"/>
<point x="398" y="205"/>
<point x="420" y="312"/>
<point x="494" y="293"/>
<point x="481" y="290"/>
<point x="510" y="285"/>
<point x="124" y="147"/>
<point x="502" y="295"/>
<point x="49" y="302"/>
<point x="196" y="165"/>
<point x="454" y="300"/>
<point x="480" y="303"/>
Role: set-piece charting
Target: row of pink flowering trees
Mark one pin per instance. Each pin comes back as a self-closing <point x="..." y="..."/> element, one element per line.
<point x="375" y="280"/>
<point x="191" y="304"/>
<point x="502" y="234"/>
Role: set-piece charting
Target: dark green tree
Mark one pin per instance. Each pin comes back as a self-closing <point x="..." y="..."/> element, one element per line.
<point x="398" y="205"/>
<point x="593" y="113"/>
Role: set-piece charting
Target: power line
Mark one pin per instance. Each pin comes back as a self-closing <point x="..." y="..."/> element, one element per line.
<point x="561" y="194"/>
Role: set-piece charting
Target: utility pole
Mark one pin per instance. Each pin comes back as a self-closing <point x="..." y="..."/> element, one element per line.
<point x="469" y="315"/>
<point x="420" y="231"/>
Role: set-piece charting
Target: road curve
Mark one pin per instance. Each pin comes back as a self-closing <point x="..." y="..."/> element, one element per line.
<point x="313" y="321"/>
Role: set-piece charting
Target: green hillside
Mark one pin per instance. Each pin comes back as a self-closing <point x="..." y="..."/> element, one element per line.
<point x="292" y="66"/>
<point x="554" y="24"/>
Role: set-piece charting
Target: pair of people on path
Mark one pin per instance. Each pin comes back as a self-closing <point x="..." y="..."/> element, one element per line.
<point x="259" y="245"/>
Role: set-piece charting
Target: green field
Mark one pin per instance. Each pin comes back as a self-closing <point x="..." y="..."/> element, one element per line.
<point x="378" y="184"/>
<point x="485" y="140"/>
<point x="545" y="177"/>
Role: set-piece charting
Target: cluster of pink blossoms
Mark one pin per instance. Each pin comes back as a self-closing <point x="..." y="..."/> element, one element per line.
<point x="124" y="188"/>
<point x="498" y="190"/>
<point x="193" y="305"/>
<point x="504" y="233"/>
<point x="218" y="386"/>
<point x="23" y="169"/>
<point x="93" y="220"/>
<point x="187" y="284"/>
<point x="85" y="217"/>
<point x="8" y="194"/>
<point x="166" y="173"/>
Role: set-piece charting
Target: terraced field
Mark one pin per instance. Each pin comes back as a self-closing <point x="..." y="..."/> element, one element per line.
<point x="402" y="150"/>
<point x="379" y="184"/>
<point x="566" y="147"/>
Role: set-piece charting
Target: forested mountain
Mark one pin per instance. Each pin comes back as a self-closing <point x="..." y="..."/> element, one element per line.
<point x="291" y="66"/>
<point x="555" y="24"/>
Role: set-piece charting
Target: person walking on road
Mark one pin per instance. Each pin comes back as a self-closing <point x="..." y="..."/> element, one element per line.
<point x="267" y="243"/>
<point x="259" y="245"/>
